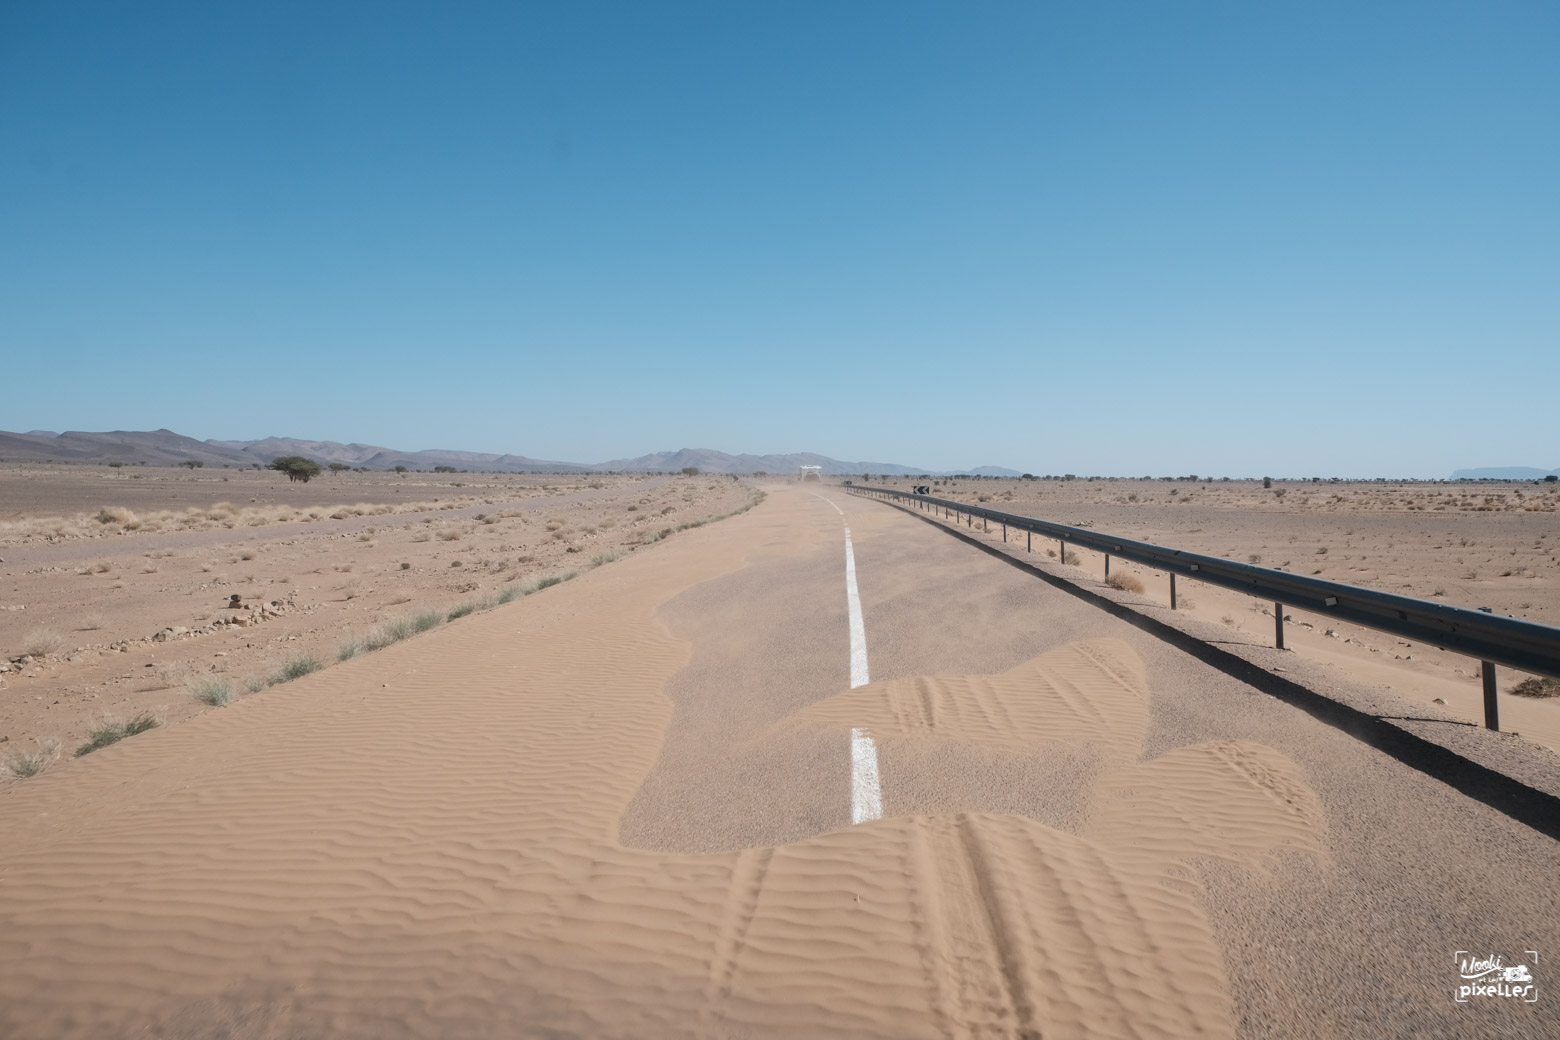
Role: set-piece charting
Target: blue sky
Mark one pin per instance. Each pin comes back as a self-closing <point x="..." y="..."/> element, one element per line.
<point x="1112" y="238"/>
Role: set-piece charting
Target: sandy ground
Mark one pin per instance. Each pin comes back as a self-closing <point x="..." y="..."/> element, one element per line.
<point x="138" y="616"/>
<point x="620" y="808"/>
<point x="1492" y="546"/>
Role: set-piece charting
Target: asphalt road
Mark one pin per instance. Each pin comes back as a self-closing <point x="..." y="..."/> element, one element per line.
<point x="1360" y="938"/>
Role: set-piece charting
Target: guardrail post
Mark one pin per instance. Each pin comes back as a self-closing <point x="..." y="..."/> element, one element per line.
<point x="1004" y="534"/>
<point x="1172" y="590"/>
<point x="1107" y="566"/>
<point x="1491" y="708"/>
<point x="1062" y="546"/>
<point x="1029" y="541"/>
<point x="1278" y="625"/>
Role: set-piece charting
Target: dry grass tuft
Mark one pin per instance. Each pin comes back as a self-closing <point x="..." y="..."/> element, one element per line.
<point x="112" y="731"/>
<point x="23" y="764"/>
<point x="1125" y="582"/>
<point x="296" y="667"/>
<point x="213" y="691"/>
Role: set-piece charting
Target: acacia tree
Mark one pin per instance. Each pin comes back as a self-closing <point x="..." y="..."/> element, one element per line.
<point x="296" y="467"/>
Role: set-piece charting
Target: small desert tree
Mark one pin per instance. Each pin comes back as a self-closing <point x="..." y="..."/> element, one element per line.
<point x="338" y="467"/>
<point x="690" y="471"/>
<point x="400" y="469"/>
<point x="296" y="467"/>
<point x="192" y="463"/>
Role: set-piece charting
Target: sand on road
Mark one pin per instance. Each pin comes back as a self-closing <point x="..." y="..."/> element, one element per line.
<point x="621" y="808"/>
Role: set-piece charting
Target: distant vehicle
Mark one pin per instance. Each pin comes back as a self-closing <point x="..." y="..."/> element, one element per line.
<point x="849" y="483"/>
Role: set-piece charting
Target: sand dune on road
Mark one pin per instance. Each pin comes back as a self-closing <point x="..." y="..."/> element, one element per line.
<point x="423" y="844"/>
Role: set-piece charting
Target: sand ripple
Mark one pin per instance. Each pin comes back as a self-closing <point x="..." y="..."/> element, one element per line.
<point x="422" y="844"/>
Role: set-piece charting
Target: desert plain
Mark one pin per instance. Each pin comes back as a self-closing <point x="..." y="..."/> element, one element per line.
<point x="1493" y="544"/>
<point x="773" y="761"/>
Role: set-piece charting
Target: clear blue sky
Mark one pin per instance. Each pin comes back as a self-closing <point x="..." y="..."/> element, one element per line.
<point x="1110" y="238"/>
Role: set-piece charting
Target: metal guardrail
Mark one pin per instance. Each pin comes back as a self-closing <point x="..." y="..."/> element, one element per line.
<point x="1491" y="638"/>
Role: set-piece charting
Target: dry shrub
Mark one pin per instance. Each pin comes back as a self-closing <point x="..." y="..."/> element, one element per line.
<point x="1125" y="582"/>
<point x="1539" y="686"/>
<point x="41" y="642"/>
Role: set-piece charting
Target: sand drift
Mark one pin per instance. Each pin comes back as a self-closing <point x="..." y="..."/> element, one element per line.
<point x="630" y="807"/>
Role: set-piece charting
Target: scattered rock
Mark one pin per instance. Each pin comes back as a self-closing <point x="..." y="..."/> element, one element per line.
<point x="1437" y="700"/>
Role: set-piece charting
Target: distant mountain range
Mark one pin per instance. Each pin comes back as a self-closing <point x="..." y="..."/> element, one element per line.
<point x="166" y="448"/>
<point x="1504" y="473"/>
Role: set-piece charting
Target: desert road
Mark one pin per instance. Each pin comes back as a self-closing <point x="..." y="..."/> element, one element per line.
<point x="817" y="770"/>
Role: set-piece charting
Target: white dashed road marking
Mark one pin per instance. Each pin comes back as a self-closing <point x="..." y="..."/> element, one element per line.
<point x="858" y="631"/>
<point x="866" y="798"/>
